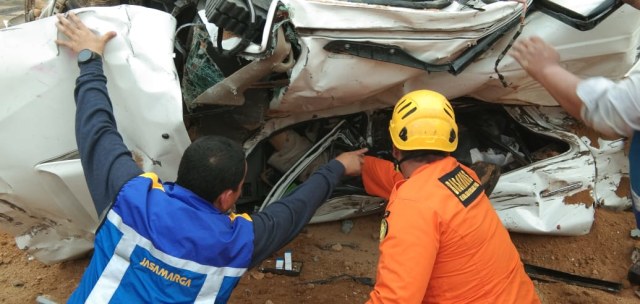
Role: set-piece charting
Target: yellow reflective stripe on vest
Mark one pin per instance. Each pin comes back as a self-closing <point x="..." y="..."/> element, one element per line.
<point x="155" y="181"/>
<point x="233" y="216"/>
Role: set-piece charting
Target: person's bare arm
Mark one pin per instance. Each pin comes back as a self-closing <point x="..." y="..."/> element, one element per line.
<point x="542" y="62"/>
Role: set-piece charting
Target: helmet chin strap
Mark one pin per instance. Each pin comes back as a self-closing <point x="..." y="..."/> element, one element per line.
<point x="397" y="162"/>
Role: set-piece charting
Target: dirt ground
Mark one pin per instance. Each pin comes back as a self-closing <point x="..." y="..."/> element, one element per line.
<point x="336" y="266"/>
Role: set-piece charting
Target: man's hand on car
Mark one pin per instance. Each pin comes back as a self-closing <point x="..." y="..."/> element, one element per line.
<point x="79" y="36"/>
<point x="535" y="56"/>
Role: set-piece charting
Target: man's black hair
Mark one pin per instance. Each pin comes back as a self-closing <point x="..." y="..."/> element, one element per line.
<point x="211" y="165"/>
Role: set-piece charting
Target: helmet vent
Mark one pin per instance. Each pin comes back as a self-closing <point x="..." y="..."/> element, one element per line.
<point x="403" y="134"/>
<point x="452" y="136"/>
<point x="445" y="110"/>
<point x="401" y="106"/>
<point x="409" y="113"/>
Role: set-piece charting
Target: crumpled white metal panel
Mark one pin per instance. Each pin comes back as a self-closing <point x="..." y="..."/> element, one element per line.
<point x="44" y="199"/>
<point x="559" y="195"/>
<point x="534" y="198"/>
<point x="321" y="80"/>
<point x="612" y="166"/>
<point x="453" y="20"/>
<point x="608" y="50"/>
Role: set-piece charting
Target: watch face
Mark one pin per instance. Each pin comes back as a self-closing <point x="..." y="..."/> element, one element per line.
<point x="84" y="55"/>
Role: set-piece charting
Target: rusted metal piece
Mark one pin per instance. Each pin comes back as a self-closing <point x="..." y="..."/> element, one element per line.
<point x="488" y="173"/>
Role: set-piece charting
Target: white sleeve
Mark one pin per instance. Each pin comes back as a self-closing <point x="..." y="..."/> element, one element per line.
<point x="609" y="107"/>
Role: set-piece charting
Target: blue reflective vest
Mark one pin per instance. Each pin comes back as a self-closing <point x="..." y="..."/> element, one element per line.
<point x="161" y="243"/>
<point x="634" y="175"/>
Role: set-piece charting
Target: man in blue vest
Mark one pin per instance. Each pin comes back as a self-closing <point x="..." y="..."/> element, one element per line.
<point x="606" y="106"/>
<point x="174" y="242"/>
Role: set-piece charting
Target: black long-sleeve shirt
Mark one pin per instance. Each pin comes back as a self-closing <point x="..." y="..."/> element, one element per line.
<point x="108" y="165"/>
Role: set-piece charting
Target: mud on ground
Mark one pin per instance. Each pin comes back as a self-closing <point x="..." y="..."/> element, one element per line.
<point x="333" y="259"/>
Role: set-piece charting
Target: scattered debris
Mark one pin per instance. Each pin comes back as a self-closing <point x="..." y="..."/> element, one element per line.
<point x="44" y="299"/>
<point x="257" y="275"/>
<point x="635" y="255"/>
<point x="336" y="247"/>
<point x="362" y="280"/>
<point x="270" y="266"/>
<point x="346" y="226"/>
<point x="551" y="275"/>
<point x="634" y="271"/>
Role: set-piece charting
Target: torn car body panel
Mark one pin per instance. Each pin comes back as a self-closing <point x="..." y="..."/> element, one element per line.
<point x="428" y="35"/>
<point x="557" y="195"/>
<point x="318" y="80"/>
<point x="533" y="197"/>
<point x="44" y="198"/>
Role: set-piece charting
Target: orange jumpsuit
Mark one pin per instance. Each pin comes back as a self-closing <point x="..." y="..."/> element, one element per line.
<point x="441" y="240"/>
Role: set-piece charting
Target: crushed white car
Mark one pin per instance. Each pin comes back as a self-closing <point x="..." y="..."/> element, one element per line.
<point x="297" y="81"/>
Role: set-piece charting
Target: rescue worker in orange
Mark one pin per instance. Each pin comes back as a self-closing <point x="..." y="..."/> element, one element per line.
<point x="441" y="241"/>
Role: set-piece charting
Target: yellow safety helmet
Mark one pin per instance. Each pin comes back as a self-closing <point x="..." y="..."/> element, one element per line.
<point x="424" y="120"/>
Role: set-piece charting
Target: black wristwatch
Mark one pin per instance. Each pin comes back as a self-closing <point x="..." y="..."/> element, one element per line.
<point x="87" y="55"/>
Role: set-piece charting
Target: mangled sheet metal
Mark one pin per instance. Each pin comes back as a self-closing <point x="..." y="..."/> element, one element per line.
<point x="44" y="199"/>
<point x="553" y="196"/>
<point x="323" y="80"/>
<point x="355" y="56"/>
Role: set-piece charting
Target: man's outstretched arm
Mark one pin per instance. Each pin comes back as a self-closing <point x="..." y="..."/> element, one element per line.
<point x="283" y="220"/>
<point x="106" y="161"/>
